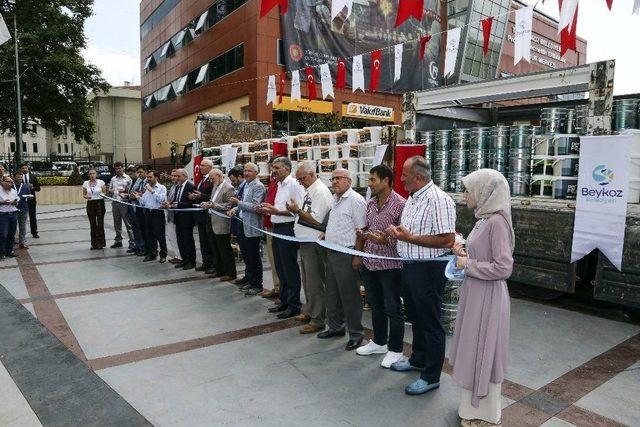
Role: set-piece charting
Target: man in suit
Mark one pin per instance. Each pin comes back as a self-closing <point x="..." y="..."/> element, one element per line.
<point x="236" y="177"/>
<point x="205" y="233"/>
<point x="185" y="221"/>
<point x="136" y="215"/>
<point x="172" y="240"/>
<point x="248" y="210"/>
<point x="222" y="193"/>
<point x="34" y="186"/>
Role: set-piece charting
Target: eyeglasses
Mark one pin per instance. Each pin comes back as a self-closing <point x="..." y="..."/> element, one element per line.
<point x="335" y="178"/>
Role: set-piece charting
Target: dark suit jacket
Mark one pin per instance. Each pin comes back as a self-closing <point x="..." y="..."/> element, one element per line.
<point x="205" y="186"/>
<point x="36" y="186"/>
<point x="186" y="219"/>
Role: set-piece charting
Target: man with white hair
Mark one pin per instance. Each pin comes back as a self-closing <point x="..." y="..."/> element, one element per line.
<point x="185" y="221"/>
<point x="202" y="194"/>
<point x="310" y="223"/>
<point x="342" y="293"/>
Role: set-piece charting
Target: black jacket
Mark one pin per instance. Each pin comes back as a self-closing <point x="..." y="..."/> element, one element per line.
<point x="33" y="180"/>
<point x="186" y="218"/>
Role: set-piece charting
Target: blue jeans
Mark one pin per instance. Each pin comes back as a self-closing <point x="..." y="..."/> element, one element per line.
<point x="8" y="226"/>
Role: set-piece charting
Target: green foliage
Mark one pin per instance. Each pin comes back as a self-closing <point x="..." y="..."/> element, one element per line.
<point x="75" y="178"/>
<point x="55" y="79"/>
<point x="313" y="123"/>
<point x="54" y="180"/>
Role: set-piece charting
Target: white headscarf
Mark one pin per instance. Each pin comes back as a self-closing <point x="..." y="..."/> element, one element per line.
<point x="490" y="190"/>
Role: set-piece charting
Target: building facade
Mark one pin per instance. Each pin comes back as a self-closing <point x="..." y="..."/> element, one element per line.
<point x="214" y="55"/>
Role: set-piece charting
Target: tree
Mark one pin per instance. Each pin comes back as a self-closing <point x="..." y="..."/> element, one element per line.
<point x="55" y="79"/>
<point x="325" y="122"/>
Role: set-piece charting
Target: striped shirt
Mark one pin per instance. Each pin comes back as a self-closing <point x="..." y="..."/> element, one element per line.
<point x="378" y="220"/>
<point x="348" y="212"/>
<point x="429" y="211"/>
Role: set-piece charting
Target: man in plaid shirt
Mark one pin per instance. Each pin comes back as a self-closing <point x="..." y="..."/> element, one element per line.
<point x="426" y="231"/>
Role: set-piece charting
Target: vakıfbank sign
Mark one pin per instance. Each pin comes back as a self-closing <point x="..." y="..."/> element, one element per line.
<point x="601" y="202"/>
<point x="364" y="111"/>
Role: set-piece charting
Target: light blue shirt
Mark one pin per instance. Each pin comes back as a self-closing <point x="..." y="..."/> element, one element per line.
<point x="152" y="200"/>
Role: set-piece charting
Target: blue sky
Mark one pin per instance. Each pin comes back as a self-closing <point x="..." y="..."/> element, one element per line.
<point x="114" y="40"/>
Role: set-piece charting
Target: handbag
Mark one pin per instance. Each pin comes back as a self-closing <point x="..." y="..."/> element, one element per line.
<point x="319" y="227"/>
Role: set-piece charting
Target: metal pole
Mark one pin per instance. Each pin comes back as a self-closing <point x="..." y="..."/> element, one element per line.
<point x="18" y="95"/>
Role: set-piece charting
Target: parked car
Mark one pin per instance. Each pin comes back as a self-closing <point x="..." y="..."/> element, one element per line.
<point x="104" y="172"/>
<point x="64" y="168"/>
<point x="42" y="168"/>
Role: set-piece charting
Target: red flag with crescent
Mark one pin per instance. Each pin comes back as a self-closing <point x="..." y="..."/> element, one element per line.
<point x="423" y="45"/>
<point x="311" y="83"/>
<point x="486" y="32"/>
<point x="376" y="69"/>
<point x="409" y="8"/>
<point x="341" y="76"/>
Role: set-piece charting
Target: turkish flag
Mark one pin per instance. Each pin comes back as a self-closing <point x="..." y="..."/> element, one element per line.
<point x="283" y="78"/>
<point x="568" y="36"/>
<point x="311" y="83"/>
<point x="376" y="69"/>
<point x="402" y="153"/>
<point x="197" y="176"/>
<point x="279" y="149"/>
<point x="423" y="45"/>
<point x="486" y="32"/>
<point x="341" y="77"/>
<point x="409" y="8"/>
<point x="267" y="5"/>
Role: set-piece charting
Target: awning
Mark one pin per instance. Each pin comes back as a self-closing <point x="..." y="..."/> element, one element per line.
<point x="165" y="93"/>
<point x="149" y="63"/>
<point x="202" y="74"/>
<point x="178" y="39"/>
<point x="180" y="85"/>
<point x="165" y="48"/>
<point x="201" y="21"/>
<point x="148" y="101"/>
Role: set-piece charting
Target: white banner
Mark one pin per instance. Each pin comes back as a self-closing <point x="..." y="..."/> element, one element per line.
<point x="326" y="82"/>
<point x="357" y="73"/>
<point x="5" y="35"/>
<point x="295" y="86"/>
<point x="229" y="155"/>
<point x="601" y="202"/>
<point x="451" y="55"/>
<point x="398" y="62"/>
<point x="271" y="90"/>
<point x="522" y="43"/>
<point x="338" y="6"/>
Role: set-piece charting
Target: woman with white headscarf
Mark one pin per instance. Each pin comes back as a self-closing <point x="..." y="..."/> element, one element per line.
<point x="481" y="337"/>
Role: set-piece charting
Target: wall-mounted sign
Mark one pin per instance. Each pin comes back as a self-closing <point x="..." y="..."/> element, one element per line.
<point x="371" y="112"/>
<point x="304" y="106"/>
<point x="543" y="51"/>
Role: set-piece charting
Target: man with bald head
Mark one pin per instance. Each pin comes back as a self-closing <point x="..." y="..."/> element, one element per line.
<point x="184" y="221"/>
<point x="342" y="293"/>
<point x="202" y="194"/>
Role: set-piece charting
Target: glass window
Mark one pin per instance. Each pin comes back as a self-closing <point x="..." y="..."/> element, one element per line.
<point x="35" y="147"/>
<point x="13" y="147"/>
<point x="66" y="148"/>
<point x="475" y="68"/>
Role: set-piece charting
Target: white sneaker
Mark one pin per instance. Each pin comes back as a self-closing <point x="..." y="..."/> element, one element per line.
<point x="391" y="358"/>
<point x="371" y="348"/>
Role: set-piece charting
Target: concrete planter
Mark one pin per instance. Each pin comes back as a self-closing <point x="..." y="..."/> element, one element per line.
<point x="60" y="195"/>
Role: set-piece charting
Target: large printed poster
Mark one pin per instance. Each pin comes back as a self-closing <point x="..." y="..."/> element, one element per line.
<point x="311" y="38"/>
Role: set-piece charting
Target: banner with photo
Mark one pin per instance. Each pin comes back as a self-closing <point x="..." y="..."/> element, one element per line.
<point x="601" y="201"/>
<point x="312" y="38"/>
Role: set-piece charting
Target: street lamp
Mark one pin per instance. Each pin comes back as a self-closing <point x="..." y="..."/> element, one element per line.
<point x="18" y="95"/>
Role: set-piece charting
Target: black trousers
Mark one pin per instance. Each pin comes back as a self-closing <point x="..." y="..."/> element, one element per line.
<point x="383" y="294"/>
<point x="205" y="235"/>
<point x="424" y="286"/>
<point x="33" y="221"/>
<point x="95" y="213"/>
<point x="286" y="259"/>
<point x="184" y="235"/>
<point x="253" y="263"/>
<point x="225" y="262"/>
<point x="155" y="231"/>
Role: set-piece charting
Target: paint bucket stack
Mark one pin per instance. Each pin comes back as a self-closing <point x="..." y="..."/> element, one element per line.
<point x="565" y="166"/>
<point x="498" y="146"/>
<point x="634" y="171"/>
<point x="427" y="138"/>
<point x="625" y="114"/>
<point x="478" y="148"/>
<point x="581" y="119"/>
<point x="554" y="120"/>
<point x="458" y="153"/>
<point x="440" y="156"/>
<point x="520" y="145"/>
<point x="450" y="302"/>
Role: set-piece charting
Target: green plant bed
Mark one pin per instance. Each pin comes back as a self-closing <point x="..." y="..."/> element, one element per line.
<point x="54" y="180"/>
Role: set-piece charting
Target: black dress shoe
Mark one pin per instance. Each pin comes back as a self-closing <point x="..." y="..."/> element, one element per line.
<point x="148" y="258"/>
<point x="189" y="266"/>
<point x="353" y="344"/>
<point x="116" y="245"/>
<point x="288" y="314"/>
<point x="278" y="308"/>
<point x="132" y="250"/>
<point x="201" y="268"/>
<point x="163" y="259"/>
<point x="35" y="235"/>
<point x="141" y="253"/>
<point x="179" y="265"/>
<point x="211" y="271"/>
<point x="330" y="334"/>
<point x="242" y="281"/>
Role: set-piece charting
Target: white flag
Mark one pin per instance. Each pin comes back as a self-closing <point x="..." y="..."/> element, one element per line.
<point x="567" y="12"/>
<point x="358" y="73"/>
<point x="5" y="35"/>
<point x="295" y="86"/>
<point x="451" y="54"/>
<point x="271" y="90"/>
<point x="325" y="81"/>
<point x="398" y="62"/>
<point x="522" y="44"/>
<point x="636" y="7"/>
<point x="338" y="6"/>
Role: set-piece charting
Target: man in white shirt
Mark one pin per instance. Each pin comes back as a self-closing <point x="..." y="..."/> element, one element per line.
<point x="285" y="252"/>
<point x="8" y="217"/>
<point x="154" y="196"/>
<point x="310" y="217"/>
<point x="118" y="188"/>
<point x="342" y="293"/>
<point x="426" y="230"/>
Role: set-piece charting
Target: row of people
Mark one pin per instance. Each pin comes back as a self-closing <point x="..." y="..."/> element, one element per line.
<point x="14" y="211"/>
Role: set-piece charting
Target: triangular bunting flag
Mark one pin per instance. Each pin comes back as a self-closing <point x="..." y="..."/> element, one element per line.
<point x="423" y="45"/>
<point x="5" y="35"/>
<point x="283" y="78"/>
<point x="568" y="31"/>
<point x="451" y="54"/>
<point x="409" y="8"/>
<point x="311" y="84"/>
<point x="271" y="90"/>
<point x="295" y="86"/>
<point x="636" y="7"/>
<point x="522" y="44"/>
<point x="341" y="78"/>
<point x="567" y="12"/>
<point x="397" y="68"/>
<point x="325" y="80"/>
<point x="357" y="74"/>
<point x="609" y="4"/>
<point x="267" y="5"/>
<point x="376" y="69"/>
<point x="338" y="6"/>
<point x="486" y="32"/>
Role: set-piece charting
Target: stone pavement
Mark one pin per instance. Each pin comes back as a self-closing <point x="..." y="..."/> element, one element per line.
<point x="100" y="338"/>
